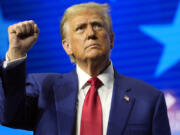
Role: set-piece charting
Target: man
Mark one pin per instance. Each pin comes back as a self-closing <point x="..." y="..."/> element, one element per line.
<point x="91" y="100"/>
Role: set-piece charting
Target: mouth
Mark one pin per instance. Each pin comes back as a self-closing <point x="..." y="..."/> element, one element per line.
<point x="93" y="45"/>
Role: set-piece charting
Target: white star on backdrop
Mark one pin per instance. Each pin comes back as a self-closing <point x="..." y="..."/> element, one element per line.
<point x="169" y="36"/>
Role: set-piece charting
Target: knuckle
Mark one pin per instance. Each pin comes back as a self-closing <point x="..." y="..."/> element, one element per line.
<point x="23" y="25"/>
<point x="13" y="26"/>
<point x="19" y="24"/>
<point x="31" y="21"/>
<point x="35" y="26"/>
<point x="31" y="25"/>
<point x="16" y="27"/>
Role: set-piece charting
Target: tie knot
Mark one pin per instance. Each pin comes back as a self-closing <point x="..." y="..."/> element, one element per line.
<point x="94" y="81"/>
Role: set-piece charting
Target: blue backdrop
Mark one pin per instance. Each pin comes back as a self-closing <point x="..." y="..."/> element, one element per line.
<point x="147" y="43"/>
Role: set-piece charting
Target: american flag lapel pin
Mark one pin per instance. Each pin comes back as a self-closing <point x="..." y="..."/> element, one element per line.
<point x="126" y="98"/>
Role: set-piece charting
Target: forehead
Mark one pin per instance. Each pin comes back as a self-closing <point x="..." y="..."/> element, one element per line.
<point x="86" y="16"/>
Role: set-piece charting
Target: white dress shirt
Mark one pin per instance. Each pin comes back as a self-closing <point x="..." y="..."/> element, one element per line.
<point x="10" y="63"/>
<point x="105" y="93"/>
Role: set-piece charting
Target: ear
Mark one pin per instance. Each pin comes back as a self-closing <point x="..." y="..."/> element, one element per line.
<point x="67" y="46"/>
<point x="112" y="40"/>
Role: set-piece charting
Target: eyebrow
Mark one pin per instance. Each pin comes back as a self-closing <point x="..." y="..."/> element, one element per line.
<point x="92" y="22"/>
<point x="80" y="24"/>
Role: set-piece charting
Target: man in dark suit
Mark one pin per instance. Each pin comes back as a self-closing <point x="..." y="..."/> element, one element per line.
<point x="91" y="100"/>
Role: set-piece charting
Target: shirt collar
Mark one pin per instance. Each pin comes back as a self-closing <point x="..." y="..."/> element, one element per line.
<point x="106" y="77"/>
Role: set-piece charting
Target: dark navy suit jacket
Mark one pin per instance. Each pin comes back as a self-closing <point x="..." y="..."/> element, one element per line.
<point x="46" y="104"/>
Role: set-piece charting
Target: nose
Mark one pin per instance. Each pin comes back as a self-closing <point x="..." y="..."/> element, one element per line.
<point x="91" y="33"/>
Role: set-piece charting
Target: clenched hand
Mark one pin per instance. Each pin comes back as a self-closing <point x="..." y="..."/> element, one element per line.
<point x="22" y="36"/>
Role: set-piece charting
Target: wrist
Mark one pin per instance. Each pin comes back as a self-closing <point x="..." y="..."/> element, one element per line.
<point x="14" y="54"/>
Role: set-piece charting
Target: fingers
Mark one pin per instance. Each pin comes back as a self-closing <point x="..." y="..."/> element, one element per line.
<point x="26" y="28"/>
<point x="36" y="29"/>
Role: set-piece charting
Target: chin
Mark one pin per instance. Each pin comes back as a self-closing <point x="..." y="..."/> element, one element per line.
<point x="95" y="53"/>
<point x="96" y="56"/>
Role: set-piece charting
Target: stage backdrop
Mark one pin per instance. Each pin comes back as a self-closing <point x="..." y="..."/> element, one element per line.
<point x="147" y="43"/>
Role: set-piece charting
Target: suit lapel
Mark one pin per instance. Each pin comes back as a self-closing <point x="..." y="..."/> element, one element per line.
<point x="65" y="91"/>
<point x="121" y="106"/>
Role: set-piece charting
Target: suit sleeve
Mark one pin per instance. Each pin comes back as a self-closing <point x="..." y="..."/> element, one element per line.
<point x="160" y="125"/>
<point x="18" y="110"/>
<point x="1" y="96"/>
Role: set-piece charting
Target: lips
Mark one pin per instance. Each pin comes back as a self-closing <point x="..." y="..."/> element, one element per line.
<point x="93" y="45"/>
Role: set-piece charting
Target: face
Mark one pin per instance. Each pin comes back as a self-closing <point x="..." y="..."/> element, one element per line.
<point x="87" y="37"/>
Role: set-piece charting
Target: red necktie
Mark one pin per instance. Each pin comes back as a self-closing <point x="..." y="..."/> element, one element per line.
<point x="91" y="118"/>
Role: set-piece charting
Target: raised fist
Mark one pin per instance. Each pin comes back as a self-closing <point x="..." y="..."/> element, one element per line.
<point x="22" y="36"/>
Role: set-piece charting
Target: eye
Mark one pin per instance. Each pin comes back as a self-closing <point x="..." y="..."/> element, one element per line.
<point x="80" y="28"/>
<point x="97" y="25"/>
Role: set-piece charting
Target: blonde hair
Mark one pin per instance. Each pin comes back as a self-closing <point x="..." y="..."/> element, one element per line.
<point x="103" y="9"/>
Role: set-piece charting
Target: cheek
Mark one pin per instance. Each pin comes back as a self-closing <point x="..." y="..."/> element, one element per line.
<point x="78" y="39"/>
<point x="106" y="40"/>
<point x="104" y="35"/>
<point x="77" y="46"/>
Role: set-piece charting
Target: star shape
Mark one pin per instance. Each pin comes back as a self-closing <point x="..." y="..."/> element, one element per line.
<point x="3" y="34"/>
<point x="168" y="36"/>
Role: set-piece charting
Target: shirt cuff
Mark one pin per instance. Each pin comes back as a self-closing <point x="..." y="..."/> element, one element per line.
<point x="12" y="63"/>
